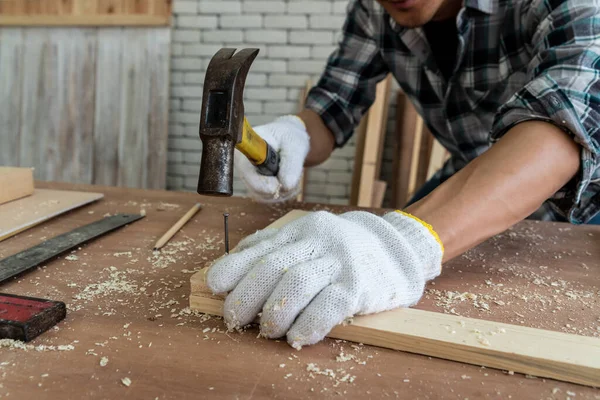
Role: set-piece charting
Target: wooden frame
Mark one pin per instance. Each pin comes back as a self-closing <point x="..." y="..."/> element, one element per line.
<point x="85" y="12"/>
<point x="369" y="146"/>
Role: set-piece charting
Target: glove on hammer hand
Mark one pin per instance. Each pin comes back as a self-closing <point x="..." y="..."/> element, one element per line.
<point x="288" y="137"/>
<point x="315" y="272"/>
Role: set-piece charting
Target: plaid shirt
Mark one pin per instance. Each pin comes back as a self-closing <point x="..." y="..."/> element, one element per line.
<point x="517" y="60"/>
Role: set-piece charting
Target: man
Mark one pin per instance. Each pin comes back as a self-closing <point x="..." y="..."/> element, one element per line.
<point x="522" y="74"/>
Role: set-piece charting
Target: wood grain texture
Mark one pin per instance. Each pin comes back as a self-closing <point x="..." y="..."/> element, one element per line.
<point x="561" y="356"/>
<point x="183" y="362"/>
<point x="133" y="139"/>
<point x="107" y="115"/>
<point x="406" y="120"/>
<point x="39" y="86"/>
<point x="439" y="155"/>
<point x="158" y="45"/>
<point x="74" y="96"/>
<point x="11" y="77"/>
<point x="42" y="205"/>
<point x="374" y="139"/>
<point x="85" y="12"/>
<point x="73" y="122"/>
<point x="15" y="183"/>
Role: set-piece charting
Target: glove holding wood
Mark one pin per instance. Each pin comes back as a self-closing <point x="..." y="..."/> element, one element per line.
<point x="288" y="137"/>
<point x="321" y="269"/>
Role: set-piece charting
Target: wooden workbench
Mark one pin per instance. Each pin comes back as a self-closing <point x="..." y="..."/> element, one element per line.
<point x="129" y="305"/>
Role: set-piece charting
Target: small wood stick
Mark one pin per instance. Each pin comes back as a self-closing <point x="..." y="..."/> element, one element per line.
<point x="175" y="228"/>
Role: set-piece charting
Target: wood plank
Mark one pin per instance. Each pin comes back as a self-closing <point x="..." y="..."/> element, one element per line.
<point x="11" y="76"/>
<point x="439" y="155"/>
<point x="107" y="115"/>
<point x="85" y="12"/>
<point x="44" y="204"/>
<point x="86" y="20"/>
<point x="538" y="352"/>
<point x="360" y="134"/>
<point x="414" y="165"/>
<point x="110" y="7"/>
<point x="39" y="94"/>
<point x="424" y="156"/>
<point x="135" y="90"/>
<point x="379" y="188"/>
<point x="406" y="118"/>
<point x="15" y="183"/>
<point x="76" y="122"/>
<point x="374" y="142"/>
<point x="157" y="111"/>
<point x="301" y="100"/>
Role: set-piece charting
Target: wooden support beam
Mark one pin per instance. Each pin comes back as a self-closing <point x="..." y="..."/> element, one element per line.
<point x="406" y="122"/>
<point x="85" y="12"/>
<point x="367" y="161"/>
<point x="301" y="101"/>
<point x="537" y="352"/>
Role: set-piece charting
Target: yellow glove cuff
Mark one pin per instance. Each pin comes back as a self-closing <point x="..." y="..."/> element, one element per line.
<point x="426" y="225"/>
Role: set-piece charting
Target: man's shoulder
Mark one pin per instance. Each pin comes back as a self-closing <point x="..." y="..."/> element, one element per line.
<point x="368" y="13"/>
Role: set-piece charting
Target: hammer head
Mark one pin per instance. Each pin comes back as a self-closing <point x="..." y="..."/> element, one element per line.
<point x="222" y="118"/>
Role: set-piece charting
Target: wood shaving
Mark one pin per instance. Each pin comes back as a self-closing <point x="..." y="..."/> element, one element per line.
<point x="126" y="381"/>
<point x="103" y="361"/>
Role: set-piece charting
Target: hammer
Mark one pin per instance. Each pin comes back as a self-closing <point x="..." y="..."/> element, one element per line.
<point x="223" y="126"/>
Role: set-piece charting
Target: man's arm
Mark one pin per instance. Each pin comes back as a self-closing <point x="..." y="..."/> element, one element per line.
<point x="501" y="187"/>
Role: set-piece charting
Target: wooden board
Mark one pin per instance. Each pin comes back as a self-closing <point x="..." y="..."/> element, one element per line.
<point x="439" y="155"/>
<point x="301" y="101"/>
<point x="370" y="164"/>
<point x="86" y="105"/>
<point x="15" y="183"/>
<point x="44" y="204"/>
<point x="406" y="121"/>
<point x="379" y="188"/>
<point x="84" y="12"/>
<point x="556" y="355"/>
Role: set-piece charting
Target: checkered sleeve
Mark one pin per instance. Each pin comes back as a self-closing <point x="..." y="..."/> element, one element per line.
<point x="564" y="89"/>
<point x="346" y="88"/>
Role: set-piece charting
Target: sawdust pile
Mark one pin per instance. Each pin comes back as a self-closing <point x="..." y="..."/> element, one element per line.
<point x="19" y="345"/>
<point x="116" y="284"/>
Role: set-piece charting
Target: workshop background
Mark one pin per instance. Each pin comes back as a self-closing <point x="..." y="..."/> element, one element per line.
<point x="295" y="39"/>
<point x="111" y="94"/>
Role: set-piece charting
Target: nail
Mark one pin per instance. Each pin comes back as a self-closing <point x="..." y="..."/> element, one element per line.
<point x="225" y="216"/>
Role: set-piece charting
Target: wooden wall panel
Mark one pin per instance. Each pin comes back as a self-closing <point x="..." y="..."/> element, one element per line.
<point x="134" y="101"/>
<point x="107" y="118"/>
<point x="10" y="93"/>
<point x="86" y="105"/>
<point x="158" y="123"/>
<point x="85" y="12"/>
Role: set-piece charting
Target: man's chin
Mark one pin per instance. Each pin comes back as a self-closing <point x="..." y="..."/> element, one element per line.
<point x="409" y="13"/>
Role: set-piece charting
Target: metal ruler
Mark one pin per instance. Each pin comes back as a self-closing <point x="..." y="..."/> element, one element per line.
<point x="34" y="256"/>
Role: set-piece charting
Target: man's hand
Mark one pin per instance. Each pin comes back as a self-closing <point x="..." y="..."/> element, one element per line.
<point x="321" y="269"/>
<point x="288" y="137"/>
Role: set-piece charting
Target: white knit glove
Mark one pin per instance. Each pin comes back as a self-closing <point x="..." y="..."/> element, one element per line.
<point x="321" y="269"/>
<point x="288" y="137"/>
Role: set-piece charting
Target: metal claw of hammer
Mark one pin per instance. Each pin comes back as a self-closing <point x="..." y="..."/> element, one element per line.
<point x="223" y="126"/>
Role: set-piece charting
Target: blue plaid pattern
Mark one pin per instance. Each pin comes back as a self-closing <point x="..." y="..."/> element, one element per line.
<point x="517" y="60"/>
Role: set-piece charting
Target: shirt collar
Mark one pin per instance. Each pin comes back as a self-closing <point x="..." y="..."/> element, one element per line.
<point x="485" y="6"/>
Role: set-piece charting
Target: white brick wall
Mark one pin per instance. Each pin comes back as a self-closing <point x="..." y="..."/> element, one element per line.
<point x="295" y="37"/>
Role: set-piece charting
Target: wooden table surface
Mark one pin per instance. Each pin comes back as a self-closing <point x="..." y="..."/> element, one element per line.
<point x="127" y="306"/>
